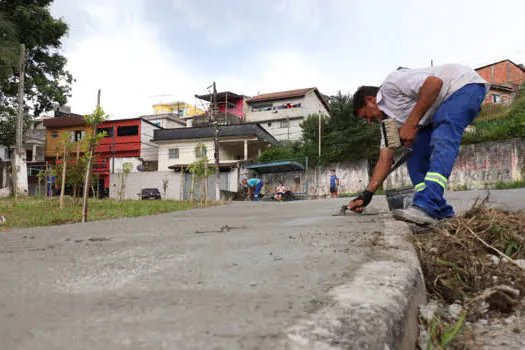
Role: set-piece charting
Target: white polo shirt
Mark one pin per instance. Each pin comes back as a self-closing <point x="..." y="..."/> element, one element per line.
<point x="399" y="92"/>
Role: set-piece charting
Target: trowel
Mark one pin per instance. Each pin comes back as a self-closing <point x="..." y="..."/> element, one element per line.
<point x="396" y="165"/>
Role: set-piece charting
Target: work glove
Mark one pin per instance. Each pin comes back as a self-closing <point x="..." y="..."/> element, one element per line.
<point x="365" y="196"/>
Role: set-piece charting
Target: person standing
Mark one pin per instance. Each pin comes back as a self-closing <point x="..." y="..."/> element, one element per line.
<point x="334" y="184"/>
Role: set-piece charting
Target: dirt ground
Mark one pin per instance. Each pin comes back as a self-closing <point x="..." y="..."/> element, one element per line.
<point x="474" y="267"/>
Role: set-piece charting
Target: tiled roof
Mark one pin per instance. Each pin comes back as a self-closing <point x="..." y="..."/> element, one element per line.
<point x="60" y="122"/>
<point x="280" y="95"/>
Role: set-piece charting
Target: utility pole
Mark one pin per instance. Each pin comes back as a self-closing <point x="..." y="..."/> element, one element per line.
<point x="18" y="163"/>
<point x="216" y="144"/>
<point x="20" y="116"/>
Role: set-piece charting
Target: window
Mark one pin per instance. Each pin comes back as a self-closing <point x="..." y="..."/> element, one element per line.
<point x="157" y="124"/>
<point x="128" y="130"/>
<point x="108" y="131"/>
<point x="201" y="152"/>
<point x="54" y="134"/>
<point x="496" y="98"/>
<point x="6" y="153"/>
<point x="173" y="153"/>
<point x="269" y="124"/>
<point x="77" y="135"/>
<point x="284" y="124"/>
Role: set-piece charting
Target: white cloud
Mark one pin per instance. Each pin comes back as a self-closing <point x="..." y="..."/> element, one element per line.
<point x="331" y="44"/>
<point x="124" y="58"/>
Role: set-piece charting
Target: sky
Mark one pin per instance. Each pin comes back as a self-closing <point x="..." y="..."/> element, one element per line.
<point x="140" y="52"/>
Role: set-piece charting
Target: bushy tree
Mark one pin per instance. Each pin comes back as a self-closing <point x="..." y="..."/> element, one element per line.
<point x="47" y="82"/>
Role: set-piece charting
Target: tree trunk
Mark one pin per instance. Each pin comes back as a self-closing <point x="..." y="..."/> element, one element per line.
<point x="86" y="186"/>
<point x="64" y="170"/>
<point x="192" y="186"/>
<point x="182" y="178"/>
<point x="206" y="183"/>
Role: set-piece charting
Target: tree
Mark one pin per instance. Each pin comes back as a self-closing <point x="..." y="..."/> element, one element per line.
<point x="8" y="127"/>
<point x="271" y="154"/>
<point x="66" y="142"/>
<point x="165" y="182"/>
<point x="93" y="119"/>
<point x="47" y="82"/>
<point x="200" y="170"/>
<point x="9" y="48"/>
<point x="126" y="170"/>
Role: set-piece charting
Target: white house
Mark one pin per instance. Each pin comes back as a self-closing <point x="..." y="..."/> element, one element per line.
<point x="281" y="113"/>
<point x="237" y="143"/>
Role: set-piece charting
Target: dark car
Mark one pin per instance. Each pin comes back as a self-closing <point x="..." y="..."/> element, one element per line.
<point x="150" y="193"/>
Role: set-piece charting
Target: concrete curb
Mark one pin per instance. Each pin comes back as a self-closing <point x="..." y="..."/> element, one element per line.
<point x="378" y="309"/>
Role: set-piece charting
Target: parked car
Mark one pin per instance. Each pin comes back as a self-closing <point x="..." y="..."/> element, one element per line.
<point x="150" y="193"/>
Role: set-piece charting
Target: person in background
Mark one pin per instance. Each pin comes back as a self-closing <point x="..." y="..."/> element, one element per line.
<point x="254" y="185"/>
<point x="334" y="184"/>
<point x="280" y="191"/>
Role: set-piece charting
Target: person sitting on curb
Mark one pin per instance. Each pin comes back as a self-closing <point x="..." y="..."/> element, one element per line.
<point x="280" y="191"/>
<point x="433" y="105"/>
<point x="254" y="185"/>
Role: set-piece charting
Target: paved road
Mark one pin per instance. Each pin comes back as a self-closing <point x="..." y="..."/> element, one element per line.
<point x="182" y="280"/>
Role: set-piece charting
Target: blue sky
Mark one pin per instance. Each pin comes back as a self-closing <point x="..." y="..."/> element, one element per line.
<point x="144" y="51"/>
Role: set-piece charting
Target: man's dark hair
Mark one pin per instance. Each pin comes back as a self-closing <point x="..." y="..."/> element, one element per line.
<point x="361" y="93"/>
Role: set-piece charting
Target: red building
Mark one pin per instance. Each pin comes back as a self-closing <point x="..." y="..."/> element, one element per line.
<point x="230" y="109"/>
<point x="506" y="79"/>
<point x="126" y="141"/>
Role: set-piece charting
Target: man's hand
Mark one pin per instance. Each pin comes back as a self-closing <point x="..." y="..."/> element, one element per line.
<point x="360" y="202"/>
<point x="407" y="134"/>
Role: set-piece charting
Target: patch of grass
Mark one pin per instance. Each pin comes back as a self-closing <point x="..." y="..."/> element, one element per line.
<point x="33" y="211"/>
<point x="460" y="188"/>
<point x="509" y="185"/>
<point x="347" y="195"/>
<point x="500" y="123"/>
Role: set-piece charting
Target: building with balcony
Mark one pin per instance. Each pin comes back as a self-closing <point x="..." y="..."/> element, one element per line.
<point x="281" y="113"/>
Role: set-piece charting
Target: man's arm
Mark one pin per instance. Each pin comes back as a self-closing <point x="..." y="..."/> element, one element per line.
<point x="427" y="96"/>
<point x="383" y="165"/>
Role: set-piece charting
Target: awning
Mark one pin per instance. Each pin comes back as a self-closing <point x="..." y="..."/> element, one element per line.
<point x="283" y="166"/>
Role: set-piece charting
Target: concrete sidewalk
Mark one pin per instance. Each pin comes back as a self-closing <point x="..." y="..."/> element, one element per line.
<point x="245" y="276"/>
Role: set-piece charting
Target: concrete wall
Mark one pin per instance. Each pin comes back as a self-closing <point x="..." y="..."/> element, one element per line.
<point x="186" y="152"/>
<point x="149" y="151"/>
<point x="120" y="161"/>
<point x="135" y="182"/>
<point x="283" y="130"/>
<point x="313" y="105"/>
<point x="353" y="177"/>
<point x="478" y="166"/>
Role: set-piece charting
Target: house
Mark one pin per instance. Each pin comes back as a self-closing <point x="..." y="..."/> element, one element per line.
<point x="76" y="129"/>
<point x="179" y="108"/>
<point x="230" y="109"/>
<point x="506" y="79"/>
<point x="33" y="143"/>
<point x="281" y="113"/>
<point x="237" y="143"/>
<point x="125" y="141"/>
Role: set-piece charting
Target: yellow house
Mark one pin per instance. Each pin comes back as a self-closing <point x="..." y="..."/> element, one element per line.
<point x="184" y="109"/>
